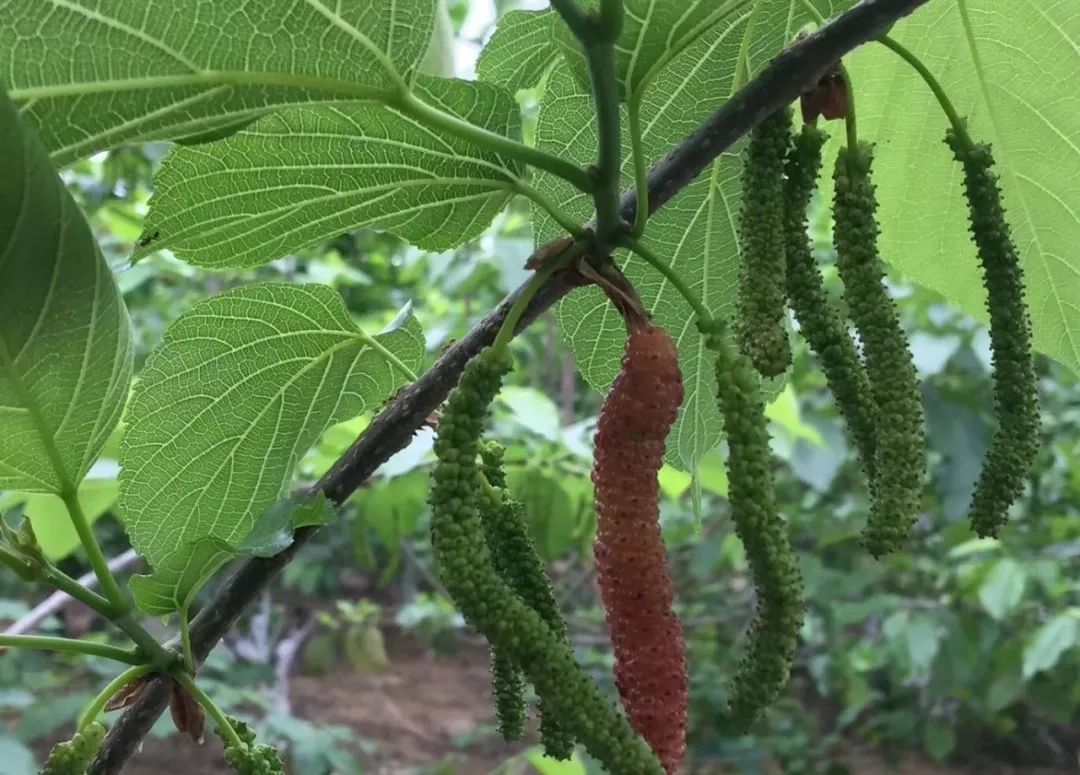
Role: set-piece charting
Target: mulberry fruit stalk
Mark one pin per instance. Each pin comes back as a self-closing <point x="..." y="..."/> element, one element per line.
<point x="900" y="453"/>
<point x="1016" y="404"/>
<point x="761" y="329"/>
<point x="465" y="566"/>
<point x="631" y="561"/>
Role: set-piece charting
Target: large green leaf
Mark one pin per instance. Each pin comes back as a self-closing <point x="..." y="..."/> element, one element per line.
<point x="1051" y="641"/>
<point x="239" y="389"/>
<point x="308" y="173"/>
<point x="695" y="233"/>
<point x="1010" y="67"/>
<point x="520" y="51"/>
<point x="173" y="584"/>
<point x="655" y="32"/>
<point x="91" y="74"/>
<point x="65" y="337"/>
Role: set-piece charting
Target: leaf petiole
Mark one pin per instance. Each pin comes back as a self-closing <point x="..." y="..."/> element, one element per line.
<point x="71" y="646"/>
<point x="414" y="107"/>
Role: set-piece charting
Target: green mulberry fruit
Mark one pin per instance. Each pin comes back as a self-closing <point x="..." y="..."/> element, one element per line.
<point x="1016" y="403"/>
<point x="763" y="672"/>
<point x="74" y="756"/>
<point x="820" y="323"/>
<point x="518" y="564"/>
<point x="900" y="455"/>
<point x="761" y="330"/>
<point x="250" y="758"/>
<point x="487" y="602"/>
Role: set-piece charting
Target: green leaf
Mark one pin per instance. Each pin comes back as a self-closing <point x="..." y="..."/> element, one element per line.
<point x="393" y="508"/>
<point x="111" y="72"/>
<point x="242" y="385"/>
<point x="654" y="33"/>
<point x="521" y="50"/>
<point x="65" y="337"/>
<point x="695" y="233"/>
<point x="545" y="765"/>
<point x="1051" y="641"/>
<point x="174" y="583"/>
<point x="309" y="173"/>
<point x="177" y="579"/>
<point x="1019" y="103"/>
<point x="52" y="525"/>
<point x="273" y="532"/>
<point x="939" y="739"/>
<point x="1003" y="588"/>
<point x="533" y="410"/>
<point x="673" y="482"/>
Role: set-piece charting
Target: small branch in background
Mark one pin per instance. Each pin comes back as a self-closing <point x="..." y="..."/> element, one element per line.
<point x="792" y="71"/>
<point x="256" y="645"/>
<point x="288" y="648"/>
<point x="422" y="570"/>
<point x="57" y="600"/>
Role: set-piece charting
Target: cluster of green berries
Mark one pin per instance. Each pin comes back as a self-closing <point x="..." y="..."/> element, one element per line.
<point x="761" y="330"/>
<point x="1016" y="441"/>
<point x="250" y="758"/>
<point x="900" y="453"/>
<point x="763" y="671"/>
<point x="74" y="756"/>
<point x="511" y="625"/>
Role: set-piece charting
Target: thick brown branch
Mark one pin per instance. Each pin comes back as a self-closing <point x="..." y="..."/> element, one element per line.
<point x="783" y="80"/>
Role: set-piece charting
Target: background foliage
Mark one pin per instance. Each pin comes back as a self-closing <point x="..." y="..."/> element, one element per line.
<point x="959" y="649"/>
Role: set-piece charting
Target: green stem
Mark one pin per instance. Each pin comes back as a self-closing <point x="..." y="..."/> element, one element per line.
<point x="641" y="185"/>
<point x="224" y="727"/>
<point x="71" y="646"/>
<point x="513" y="317"/>
<point x="97" y="705"/>
<point x="574" y="229"/>
<point x="119" y="601"/>
<point x="60" y="580"/>
<point x="411" y="105"/>
<point x="605" y="88"/>
<point x="935" y="86"/>
<point x="153" y="652"/>
<point x="704" y="316"/>
<point x="574" y="17"/>
<point x="185" y="641"/>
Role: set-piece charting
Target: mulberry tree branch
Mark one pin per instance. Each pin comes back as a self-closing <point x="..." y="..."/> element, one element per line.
<point x="794" y="70"/>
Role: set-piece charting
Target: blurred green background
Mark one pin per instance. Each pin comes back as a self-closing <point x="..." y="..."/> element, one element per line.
<point x="958" y="655"/>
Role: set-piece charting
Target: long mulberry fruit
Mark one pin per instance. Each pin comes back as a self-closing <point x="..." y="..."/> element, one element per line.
<point x="761" y="329"/>
<point x="518" y="564"/>
<point x="631" y="562"/>
<point x="465" y="566"/>
<point x="763" y="672"/>
<point x="900" y="454"/>
<point x="1016" y="441"/>
<point x="73" y="756"/>
<point x="819" y="321"/>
